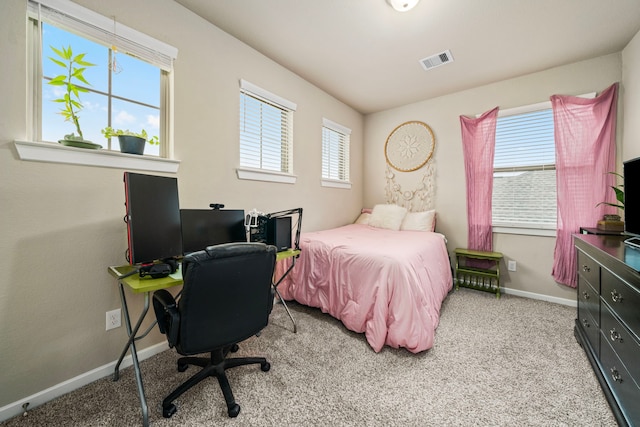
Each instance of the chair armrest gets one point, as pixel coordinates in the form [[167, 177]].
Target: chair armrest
[[166, 309]]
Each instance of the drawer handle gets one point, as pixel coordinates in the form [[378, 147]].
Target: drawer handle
[[616, 296], [615, 336], [586, 324], [586, 268], [585, 295], [616, 375]]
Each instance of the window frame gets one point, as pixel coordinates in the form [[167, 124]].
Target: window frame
[[518, 228], [272, 100], [147, 48], [344, 134]]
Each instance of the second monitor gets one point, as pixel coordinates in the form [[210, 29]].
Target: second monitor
[[206, 227]]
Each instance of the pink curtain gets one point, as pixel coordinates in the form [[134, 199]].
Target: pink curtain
[[478, 145], [585, 138]]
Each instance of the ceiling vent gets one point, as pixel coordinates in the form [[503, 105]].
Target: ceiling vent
[[436, 60]]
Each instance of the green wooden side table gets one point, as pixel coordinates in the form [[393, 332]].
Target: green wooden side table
[[482, 278]]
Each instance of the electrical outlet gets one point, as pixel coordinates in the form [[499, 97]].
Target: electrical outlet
[[511, 266], [114, 319]]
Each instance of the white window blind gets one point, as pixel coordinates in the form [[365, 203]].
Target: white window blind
[[524, 181], [266, 130], [335, 151], [75, 18]]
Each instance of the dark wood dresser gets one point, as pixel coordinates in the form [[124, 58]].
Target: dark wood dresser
[[608, 323]]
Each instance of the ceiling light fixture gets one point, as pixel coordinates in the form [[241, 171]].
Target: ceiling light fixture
[[402, 5]]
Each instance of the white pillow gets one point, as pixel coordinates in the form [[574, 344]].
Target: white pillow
[[419, 221], [363, 218], [387, 216]]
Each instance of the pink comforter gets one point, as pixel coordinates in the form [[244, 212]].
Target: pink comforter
[[388, 284]]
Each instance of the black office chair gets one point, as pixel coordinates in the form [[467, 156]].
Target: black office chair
[[227, 297]]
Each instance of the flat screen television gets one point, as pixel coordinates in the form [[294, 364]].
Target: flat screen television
[[631, 181], [153, 218], [207, 227]]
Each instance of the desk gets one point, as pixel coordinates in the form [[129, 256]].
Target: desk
[[147, 285], [138, 285]]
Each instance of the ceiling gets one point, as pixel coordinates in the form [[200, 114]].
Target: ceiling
[[367, 55]]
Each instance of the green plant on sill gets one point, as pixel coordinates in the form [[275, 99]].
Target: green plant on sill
[[74, 72], [110, 132], [619, 194]]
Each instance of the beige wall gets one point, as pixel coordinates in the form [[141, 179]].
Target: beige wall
[[631, 99], [61, 225], [534, 255]]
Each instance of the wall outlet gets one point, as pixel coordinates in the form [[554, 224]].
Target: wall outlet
[[114, 319], [511, 265]]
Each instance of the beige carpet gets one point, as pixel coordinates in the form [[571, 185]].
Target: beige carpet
[[507, 362]]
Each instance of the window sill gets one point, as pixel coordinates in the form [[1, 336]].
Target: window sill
[[55, 153], [334, 183], [544, 232], [264, 175]]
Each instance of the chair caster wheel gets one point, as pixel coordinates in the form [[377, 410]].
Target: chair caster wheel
[[182, 367], [265, 366], [234, 348], [234, 410], [168, 411]]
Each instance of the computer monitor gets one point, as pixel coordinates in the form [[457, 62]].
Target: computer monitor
[[152, 217], [207, 227]]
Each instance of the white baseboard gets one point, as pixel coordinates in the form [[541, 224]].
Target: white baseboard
[[556, 300], [16, 408]]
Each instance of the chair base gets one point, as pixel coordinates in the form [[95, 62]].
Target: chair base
[[214, 366]]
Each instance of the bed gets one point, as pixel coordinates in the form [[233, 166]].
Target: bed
[[387, 282]]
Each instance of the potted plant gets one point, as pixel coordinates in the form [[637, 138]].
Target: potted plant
[[130, 142], [74, 67], [619, 194]]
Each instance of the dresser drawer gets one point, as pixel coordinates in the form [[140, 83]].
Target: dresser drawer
[[588, 300], [589, 269], [590, 328], [623, 299], [622, 342], [625, 389]]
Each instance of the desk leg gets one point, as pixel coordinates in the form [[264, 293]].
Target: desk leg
[[295, 328], [131, 345], [275, 288]]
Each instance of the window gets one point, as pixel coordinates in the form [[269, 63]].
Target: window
[[129, 83], [524, 179], [335, 154], [266, 135]]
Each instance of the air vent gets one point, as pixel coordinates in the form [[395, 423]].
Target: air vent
[[436, 60]]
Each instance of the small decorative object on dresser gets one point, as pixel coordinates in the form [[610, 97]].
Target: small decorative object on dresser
[[608, 323]]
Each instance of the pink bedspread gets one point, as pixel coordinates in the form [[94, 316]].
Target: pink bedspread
[[388, 284]]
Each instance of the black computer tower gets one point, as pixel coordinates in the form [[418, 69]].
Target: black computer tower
[[272, 231], [279, 232]]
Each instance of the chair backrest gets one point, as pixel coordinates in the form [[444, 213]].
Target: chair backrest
[[227, 295]]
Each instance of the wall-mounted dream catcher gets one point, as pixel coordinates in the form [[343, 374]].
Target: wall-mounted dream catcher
[[409, 148]]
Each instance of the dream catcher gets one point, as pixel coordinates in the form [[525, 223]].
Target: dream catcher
[[408, 148]]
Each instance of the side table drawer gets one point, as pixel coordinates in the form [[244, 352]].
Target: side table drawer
[[624, 388], [623, 299], [589, 269], [620, 339], [588, 300]]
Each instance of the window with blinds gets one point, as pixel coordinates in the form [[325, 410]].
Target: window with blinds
[[266, 123], [335, 152], [128, 84], [524, 178]]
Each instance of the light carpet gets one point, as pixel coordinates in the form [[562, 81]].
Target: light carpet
[[495, 362]]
